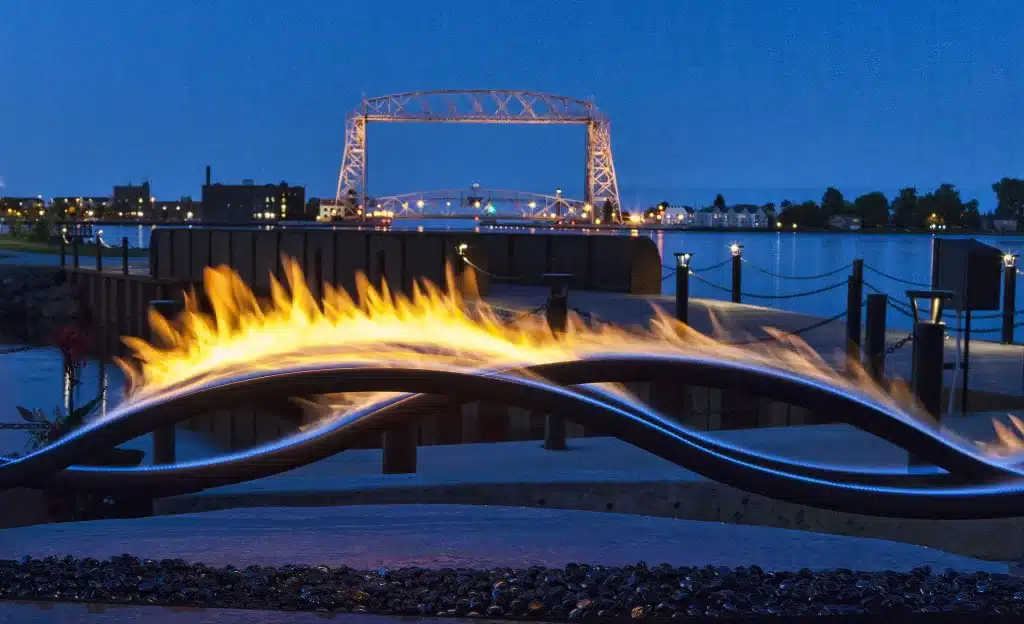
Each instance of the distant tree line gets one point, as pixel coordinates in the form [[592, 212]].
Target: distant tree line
[[909, 209]]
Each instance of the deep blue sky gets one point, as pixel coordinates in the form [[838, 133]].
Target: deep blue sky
[[766, 99]]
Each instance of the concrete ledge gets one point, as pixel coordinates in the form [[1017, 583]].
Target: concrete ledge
[[603, 474]]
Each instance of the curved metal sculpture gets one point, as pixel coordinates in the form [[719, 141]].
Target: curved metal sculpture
[[477, 106], [972, 486]]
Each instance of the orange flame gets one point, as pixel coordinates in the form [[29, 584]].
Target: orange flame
[[433, 327]]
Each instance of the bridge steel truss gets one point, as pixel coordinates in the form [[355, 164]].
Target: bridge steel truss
[[455, 202], [478, 106]]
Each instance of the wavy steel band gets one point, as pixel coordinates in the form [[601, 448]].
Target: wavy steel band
[[972, 486]]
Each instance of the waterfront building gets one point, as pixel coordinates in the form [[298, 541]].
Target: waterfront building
[[248, 202], [80, 208], [844, 222], [711, 218], [130, 201], [21, 206], [1005, 225], [679, 215], [182, 209]]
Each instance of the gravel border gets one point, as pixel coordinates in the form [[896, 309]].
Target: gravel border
[[574, 592]]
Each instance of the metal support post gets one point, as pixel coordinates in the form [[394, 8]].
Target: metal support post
[[63, 250], [318, 276], [557, 313], [854, 295], [737, 272], [874, 335], [1009, 296], [926, 376], [99, 251], [683, 286], [124, 255], [74, 253]]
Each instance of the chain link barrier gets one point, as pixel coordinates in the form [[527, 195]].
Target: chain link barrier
[[795, 332], [897, 279], [899, 344], [713, 266], [19, 349], [808, 293], [795, 277]]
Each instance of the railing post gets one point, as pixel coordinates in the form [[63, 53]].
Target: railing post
[[63, 250], [737, 272], [124, 255], [557, 314], [854, 295], [926, 376], [874, 335], [683, 286], [399, 450], [1009, 296], [99, 252], [164, 438], [74, 252]]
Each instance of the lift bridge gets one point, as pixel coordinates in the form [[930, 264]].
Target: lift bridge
[[476, 106]]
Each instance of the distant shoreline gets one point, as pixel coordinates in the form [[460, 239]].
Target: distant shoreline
[[672, 228]]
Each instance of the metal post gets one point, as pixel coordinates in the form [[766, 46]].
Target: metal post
[[399, 450], [737, 272], [874, 335], [74, 252], [683, 287], [164, 438], [557, 313], [63, 250], [1009, 296], [124, 255], [854, 295], [926, 376]]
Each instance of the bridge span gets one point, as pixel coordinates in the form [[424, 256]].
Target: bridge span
[[474, 202]]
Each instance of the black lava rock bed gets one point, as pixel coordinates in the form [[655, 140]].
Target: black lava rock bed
[[584, 592]]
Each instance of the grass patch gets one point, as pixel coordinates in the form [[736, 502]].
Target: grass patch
[[8, 243]]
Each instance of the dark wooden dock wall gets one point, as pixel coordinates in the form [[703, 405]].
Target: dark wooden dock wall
[[597, 262]]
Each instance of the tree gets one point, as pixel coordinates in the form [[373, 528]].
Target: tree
[[832, 203], [806, 214], [1010, 193], [607, 211], [971, 216], [719, 202], [905, 209], [873, 209]]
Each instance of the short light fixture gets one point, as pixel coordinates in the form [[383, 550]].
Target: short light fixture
[[683, 259]]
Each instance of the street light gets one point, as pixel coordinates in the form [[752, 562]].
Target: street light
[[933, 301]]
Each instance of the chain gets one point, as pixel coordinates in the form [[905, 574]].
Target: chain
[[795, 332], [899, 344], [796, 277], [771, 297], [24, 426], [713, 266], [489, 274], [19, 349], [897, 279]]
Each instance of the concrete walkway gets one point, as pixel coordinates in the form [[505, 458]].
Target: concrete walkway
[[438, 536], [604, 474]]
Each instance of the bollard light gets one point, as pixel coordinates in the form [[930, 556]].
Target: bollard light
[[461, 249], [1010, 260], [736, 249], [683, 259], [933, 302]]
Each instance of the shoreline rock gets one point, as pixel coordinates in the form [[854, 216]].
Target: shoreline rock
[[35, 302], [575, 592]]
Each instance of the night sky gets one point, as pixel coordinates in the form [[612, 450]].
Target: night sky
[[764, 100]]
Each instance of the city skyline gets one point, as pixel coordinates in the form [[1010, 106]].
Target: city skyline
[[702, 99]]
